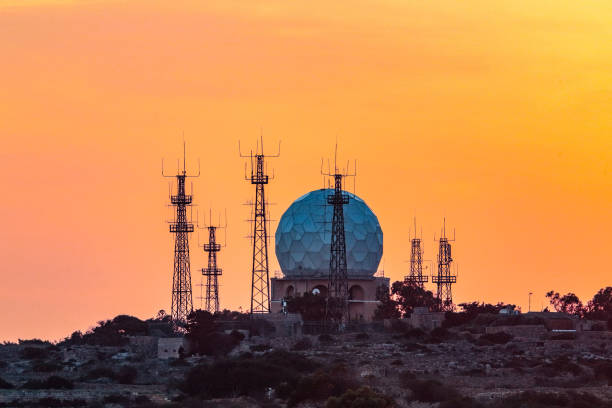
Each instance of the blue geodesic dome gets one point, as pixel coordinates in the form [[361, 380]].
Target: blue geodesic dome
[[303, 237]]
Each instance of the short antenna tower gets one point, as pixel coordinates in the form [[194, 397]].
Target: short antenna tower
[[445, 279], [416, 276], [260, 290], [181, 227], [212, 272]]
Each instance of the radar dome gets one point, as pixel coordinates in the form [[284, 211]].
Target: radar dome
[[303, 237]]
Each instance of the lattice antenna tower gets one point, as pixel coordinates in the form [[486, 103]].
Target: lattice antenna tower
[[181, 227], [416, 262], [337, 292], [260, 289], [212, 272], [445, 279]]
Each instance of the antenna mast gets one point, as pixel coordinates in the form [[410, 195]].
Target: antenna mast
[[444, 279], [181, 227], [260, 289], [416, 276], [338, 293], [212, 272]]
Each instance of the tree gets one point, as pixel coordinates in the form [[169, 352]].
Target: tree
[[310, 306], [387, 309], [600, 307], [202, 331], [568, 303], [409, 295]]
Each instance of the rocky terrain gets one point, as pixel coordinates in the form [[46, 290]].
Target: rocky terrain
[[409, 368]]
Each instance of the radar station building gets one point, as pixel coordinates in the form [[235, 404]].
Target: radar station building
[[303, 244]]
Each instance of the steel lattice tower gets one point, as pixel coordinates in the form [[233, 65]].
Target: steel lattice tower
[[338, 292], [182, 301], [416, 262], [260, 290], [212, 272], [444, 279]]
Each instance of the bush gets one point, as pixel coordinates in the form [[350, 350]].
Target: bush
[[497, 338], [438, 335], [430, 390], [46, 367], [100, 372], [116, 399], [302, 344], [414, 334], [461, 402], [363, 397], [5, 384], [250, 375], [325, 338], [533, 399], [55, 402], [321, 385], [260, 347], [127, 375], [561, 366], [362, 336], [34, 353], [54, 381]]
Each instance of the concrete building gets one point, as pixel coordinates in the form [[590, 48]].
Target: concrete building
[[172, 347]]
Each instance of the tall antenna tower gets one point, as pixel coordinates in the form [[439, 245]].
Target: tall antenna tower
[[445, 279], [337, 293], [182, 301], [212, 272], [260, 290], [416, 262]]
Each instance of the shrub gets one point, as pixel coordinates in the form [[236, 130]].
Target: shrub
[[497, 338], [430, 390], [55, 402], [563, 336], [237, 335], [561, 366], [439, 334], [127, 375], [363, 397], [32, 353], [260, 347], [533, 399], [116, 399], [178, 362], [362, 336], [461, 402], [325, 338], [414, 334], [302, 344], [100, 372], [321, 385], [54, 381], [5, 384], [250, 375], [604, 370], [46, 367]]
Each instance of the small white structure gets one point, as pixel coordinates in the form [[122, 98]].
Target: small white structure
[[172, 347]]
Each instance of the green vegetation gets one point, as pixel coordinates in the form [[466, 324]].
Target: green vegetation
[[246, 375], [363, 397], [54, 381]]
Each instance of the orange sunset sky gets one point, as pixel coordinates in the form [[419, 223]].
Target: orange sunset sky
[[495, 114]]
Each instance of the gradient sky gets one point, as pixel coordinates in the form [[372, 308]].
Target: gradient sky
[[495, 114]]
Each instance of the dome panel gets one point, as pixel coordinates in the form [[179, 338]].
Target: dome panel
[[303, 237]]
